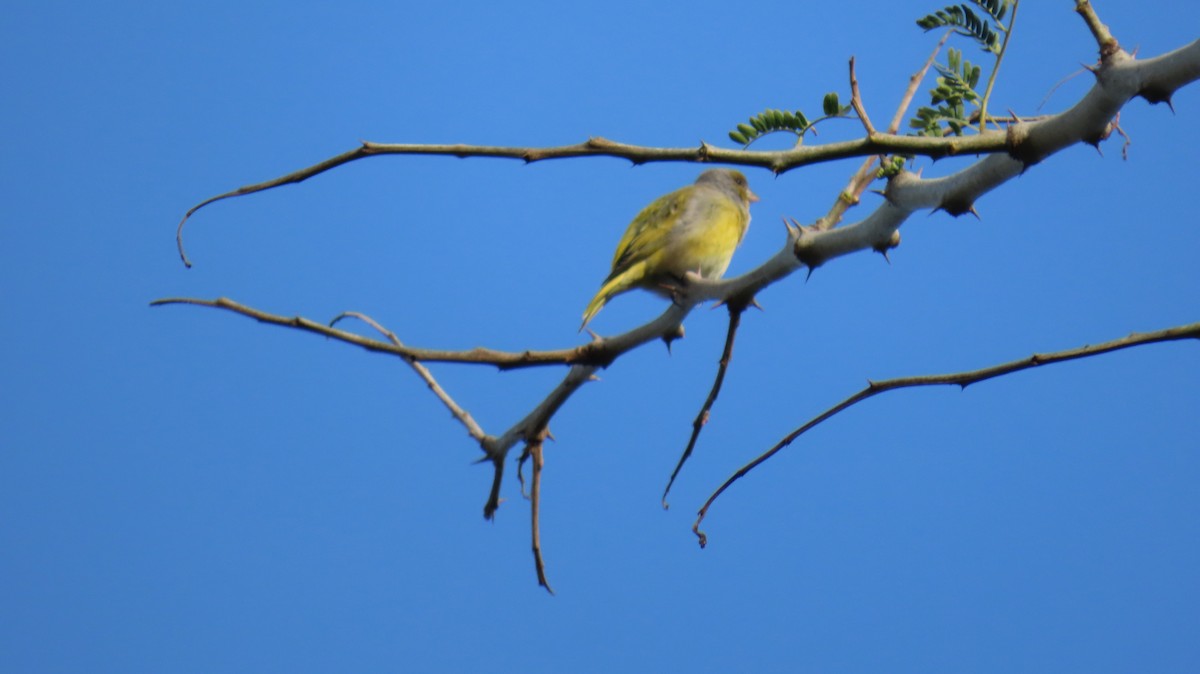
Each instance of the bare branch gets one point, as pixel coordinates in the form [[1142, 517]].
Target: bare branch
[[960, 379], [1104, 39], [735, 319], [535, 500], [865, 175], [473, 428], [914, 83], [856, 102], [775, 161], [599, 353]]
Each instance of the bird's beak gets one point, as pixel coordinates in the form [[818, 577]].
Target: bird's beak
[[751, 196]]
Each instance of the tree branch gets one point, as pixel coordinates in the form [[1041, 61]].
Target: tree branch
[[960, 379], [535, 500], [776, 161], [464, 417], [735, 319], [865, 176], [1104, 39], [595, 353], [1119, 76]]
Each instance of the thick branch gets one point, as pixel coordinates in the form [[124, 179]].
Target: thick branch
[[960, 379]]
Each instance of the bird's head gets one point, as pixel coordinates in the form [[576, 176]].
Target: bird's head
[[730, 181]]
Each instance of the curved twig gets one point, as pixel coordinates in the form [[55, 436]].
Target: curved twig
[[961, 379]]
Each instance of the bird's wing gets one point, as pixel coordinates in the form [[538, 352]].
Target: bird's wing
[[648, 231]]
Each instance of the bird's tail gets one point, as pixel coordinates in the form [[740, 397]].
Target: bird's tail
[[613, 286]]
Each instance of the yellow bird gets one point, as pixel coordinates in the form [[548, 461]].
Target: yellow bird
[[695, 228]]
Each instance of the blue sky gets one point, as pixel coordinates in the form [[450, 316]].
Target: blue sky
[[183, 490]]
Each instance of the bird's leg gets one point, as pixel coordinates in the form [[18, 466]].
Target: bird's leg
[[674, 286]]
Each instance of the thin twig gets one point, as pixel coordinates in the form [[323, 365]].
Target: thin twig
[[1104, 39], [857, 103], [473, 428], [914, 83], [597, 353], [525, 454], [1116, 125], [961, 379], [863, 178], [987, 93], [535, 499], [735, 319]]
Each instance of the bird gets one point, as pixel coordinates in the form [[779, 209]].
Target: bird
[[693, 229]]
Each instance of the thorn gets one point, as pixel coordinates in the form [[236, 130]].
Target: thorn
[[592, 377], [974, 212], [887, 259], [669, 337], [595, 337], [754, 303], [879, 192], [793, 228], [808, 275], [550, 435]]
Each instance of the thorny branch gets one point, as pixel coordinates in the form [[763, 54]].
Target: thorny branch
[[1120, 77], [736, 309], [960, 379], [777, 162]]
